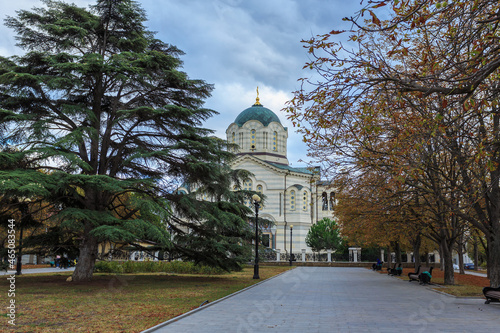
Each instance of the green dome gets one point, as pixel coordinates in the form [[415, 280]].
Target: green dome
[[257, 112]]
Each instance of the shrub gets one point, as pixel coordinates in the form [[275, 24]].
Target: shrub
[[181, 267], [178, 267], [108, 267], [207, 270], [129, 267]]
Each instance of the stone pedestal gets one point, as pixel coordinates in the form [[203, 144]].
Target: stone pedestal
[[329, 255], [355, 254], [278, 255], [303, 255]]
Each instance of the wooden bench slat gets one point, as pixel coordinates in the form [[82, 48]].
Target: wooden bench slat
[[491, 294], [416, 275]]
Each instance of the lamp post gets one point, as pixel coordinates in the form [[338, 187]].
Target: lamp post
[[24, 215], [170, 247], [20, 252], [256, 202], [291, 254]]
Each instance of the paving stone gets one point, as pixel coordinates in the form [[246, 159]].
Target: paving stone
[[339, 299]]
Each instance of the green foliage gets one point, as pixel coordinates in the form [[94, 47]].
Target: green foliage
[[324, 235], [115, 127], [109, 267], [52, 241], [178, 267]]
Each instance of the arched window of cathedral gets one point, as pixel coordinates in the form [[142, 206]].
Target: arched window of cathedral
[[292, 200], [332, 200], [235, 188], [247, 186], [252, 139], [304, 201], [233, 138], [241, 140], [275, 141], [325, 201]]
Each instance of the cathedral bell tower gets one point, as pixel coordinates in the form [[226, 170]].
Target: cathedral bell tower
[[258, 131]]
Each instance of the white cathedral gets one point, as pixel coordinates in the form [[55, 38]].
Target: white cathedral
[[294, 196]]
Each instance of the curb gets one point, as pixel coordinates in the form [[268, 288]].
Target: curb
[[154, 328]]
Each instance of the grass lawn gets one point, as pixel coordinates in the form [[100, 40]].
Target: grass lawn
[[466, 285], [116, 303]]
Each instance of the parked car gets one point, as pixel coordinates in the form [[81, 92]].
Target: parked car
[[469, 266]]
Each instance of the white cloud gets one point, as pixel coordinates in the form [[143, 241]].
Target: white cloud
[[236, 45]]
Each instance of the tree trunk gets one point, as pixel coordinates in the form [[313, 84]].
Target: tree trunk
[[398, 253], [416, 251], [494, 216], [86, 260], [494, 257], [476, 254], [389, 257], [487, 250], [441, 255], [449, 277], [460, 252]]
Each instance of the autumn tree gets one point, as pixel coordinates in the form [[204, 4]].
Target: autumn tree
[[376, 210], [436, 62]]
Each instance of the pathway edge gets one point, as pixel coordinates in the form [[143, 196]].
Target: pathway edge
[[165, 323]]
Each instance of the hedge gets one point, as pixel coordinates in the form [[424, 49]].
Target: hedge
[[179, 267]]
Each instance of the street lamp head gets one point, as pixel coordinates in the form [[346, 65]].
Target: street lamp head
[[291, 226], [256, 198]]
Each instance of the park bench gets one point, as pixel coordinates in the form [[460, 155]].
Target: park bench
[[395, 271], [491, 294], [413, 276], [416, 276]]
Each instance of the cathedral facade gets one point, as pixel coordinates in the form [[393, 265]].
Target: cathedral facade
[[295, 197]]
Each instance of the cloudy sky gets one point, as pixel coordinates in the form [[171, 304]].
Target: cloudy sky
[[236, 45]]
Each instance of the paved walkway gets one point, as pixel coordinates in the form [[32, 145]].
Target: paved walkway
[[338, 299], [474, 273]]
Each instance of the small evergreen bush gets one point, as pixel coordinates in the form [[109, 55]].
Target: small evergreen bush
[[178, 267], [108, 267]]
